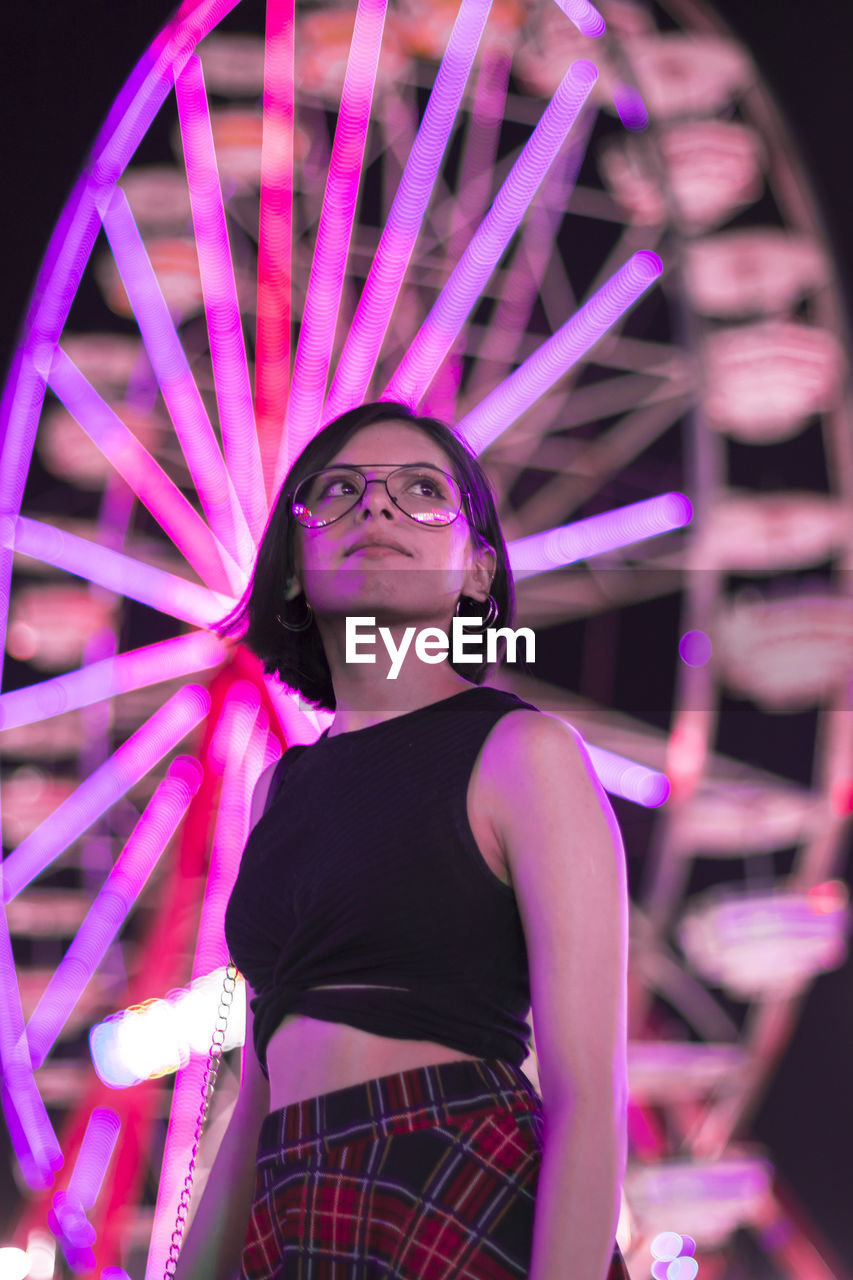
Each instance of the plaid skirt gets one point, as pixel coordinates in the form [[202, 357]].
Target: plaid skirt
[[426, 1174]]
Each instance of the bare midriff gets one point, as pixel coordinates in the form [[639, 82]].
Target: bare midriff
[[307, 1056]]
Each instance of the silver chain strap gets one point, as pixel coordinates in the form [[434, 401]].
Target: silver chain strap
[[207, 1087]]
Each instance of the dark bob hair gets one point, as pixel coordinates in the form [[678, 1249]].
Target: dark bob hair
[[298, 657]]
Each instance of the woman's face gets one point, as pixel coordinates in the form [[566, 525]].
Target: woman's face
[[424, 577]]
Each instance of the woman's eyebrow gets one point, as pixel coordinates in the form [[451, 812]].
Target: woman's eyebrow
[[419, 463]]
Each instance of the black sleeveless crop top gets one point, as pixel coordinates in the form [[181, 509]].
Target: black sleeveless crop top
[[364, 869]]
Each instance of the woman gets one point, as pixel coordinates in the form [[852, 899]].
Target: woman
[[439, 860]]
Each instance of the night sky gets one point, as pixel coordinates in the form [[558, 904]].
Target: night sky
[[63, 64]]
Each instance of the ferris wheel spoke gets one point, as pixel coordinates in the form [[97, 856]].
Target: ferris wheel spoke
[[33, 1138], [471, 274], [560, 352], [115, 571], [275, 249], [524, 278], [115, 899], [222, 309], [584, 15], [157, 736], [592, 536], [180, 392], [385, 279], [123, 673], [190, 535], [334, 233], [480, 154]]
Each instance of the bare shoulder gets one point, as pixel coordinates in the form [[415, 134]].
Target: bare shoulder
[[535, 760], [529, 740]]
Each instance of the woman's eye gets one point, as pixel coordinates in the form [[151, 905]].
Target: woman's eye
[[428, 487], [336, 488]]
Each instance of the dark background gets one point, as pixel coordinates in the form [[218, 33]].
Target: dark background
[[63, 64]]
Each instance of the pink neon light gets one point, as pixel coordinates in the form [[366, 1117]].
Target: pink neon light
[[107, 914], [555, 357], [272, 344], [239, 743], [224, 326], [383, 284], [322, 303], [240, 739], [468, 279], [92, 1161], [133, 759], [177, 384], [622, 777], [142, 473], [554, 548], [117, 572], [584, 15], [136, 669]]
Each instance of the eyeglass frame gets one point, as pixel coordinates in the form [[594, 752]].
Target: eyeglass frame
[[405, 466]]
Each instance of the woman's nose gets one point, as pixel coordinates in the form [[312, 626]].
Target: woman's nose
[[378, 495]]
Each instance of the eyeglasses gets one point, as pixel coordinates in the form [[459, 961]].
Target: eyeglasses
[[421, 491]]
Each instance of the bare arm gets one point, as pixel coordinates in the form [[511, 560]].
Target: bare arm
[[564, 850], [213, 1242]]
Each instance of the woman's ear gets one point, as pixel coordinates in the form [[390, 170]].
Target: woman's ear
[[480, 577], [293, 588]]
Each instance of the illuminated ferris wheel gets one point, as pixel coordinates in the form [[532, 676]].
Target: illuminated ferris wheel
[[578, 234]]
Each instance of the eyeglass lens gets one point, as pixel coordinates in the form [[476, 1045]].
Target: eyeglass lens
[[423, 493]]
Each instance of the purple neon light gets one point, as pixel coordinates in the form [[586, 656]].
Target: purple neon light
[[122, 574], [142, 473], [224, 326], [622, 777], [694, 648], [36, 1144], [468, 279], [92, 1161], [554, 548], [524, 276], [239, 740], [584, 15], [385, 279], [30, 1170], [107, 914], [328, 267], [563, 349], [630, 107], [73, 1230], [182, 396], [136, 669], [133, 759]]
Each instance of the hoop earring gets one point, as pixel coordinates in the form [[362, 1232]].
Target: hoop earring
[[301, 626], [490, 616]]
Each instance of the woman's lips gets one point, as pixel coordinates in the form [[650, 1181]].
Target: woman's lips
[[377, 550]]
